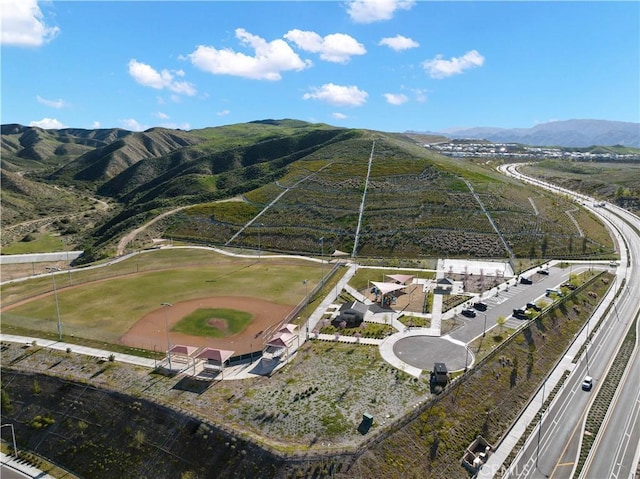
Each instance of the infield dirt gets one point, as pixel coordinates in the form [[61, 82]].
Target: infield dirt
[[151, 328]]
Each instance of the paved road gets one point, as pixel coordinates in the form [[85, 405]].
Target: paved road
[[553, 447], [616, 450]]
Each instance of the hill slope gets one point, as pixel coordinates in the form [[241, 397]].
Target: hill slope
[[306, 181], [559, 133]]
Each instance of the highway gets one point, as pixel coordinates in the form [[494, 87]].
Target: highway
[[553, 447]]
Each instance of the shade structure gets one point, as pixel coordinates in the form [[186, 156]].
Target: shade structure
[[339, 253], [281, 340], [386, 288], [217, 355], [287, 328], [401, 278], [183, 350]]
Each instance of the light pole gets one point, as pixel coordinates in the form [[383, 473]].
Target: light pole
[[260, 225], [540, 426], [55, 295], [306, 301], [484, 329], [166, 324], [466, 359], [13, 436], [322, 257]]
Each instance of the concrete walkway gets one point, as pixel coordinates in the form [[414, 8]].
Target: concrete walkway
[[12, 463], [75, 348]]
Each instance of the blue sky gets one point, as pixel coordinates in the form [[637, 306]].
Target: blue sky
[[390, 65]]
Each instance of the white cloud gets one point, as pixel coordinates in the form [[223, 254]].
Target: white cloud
[[440, 68], [399, 43], [337, 47], [339, 116], [369, 11], [132, 124], [22, 24], [95, 125], [223, 112], [176, 126], [48, 124], [396, 98], [338, 95], [421, 95], [270, 59], [52, 103], [147, 76], [162, 116]]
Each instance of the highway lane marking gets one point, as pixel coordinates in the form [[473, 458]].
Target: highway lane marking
[[568, 443]]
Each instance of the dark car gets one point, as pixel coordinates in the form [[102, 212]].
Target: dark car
[[469, 313], [543, 271], [520, 314], [525, 281], [534, 306], [480, 306]]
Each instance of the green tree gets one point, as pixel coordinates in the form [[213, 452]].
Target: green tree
[[619, 192], [5, 401], [500, 321]]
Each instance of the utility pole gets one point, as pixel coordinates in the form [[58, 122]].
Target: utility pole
[[166, 324], [306, 302], [55, 295]]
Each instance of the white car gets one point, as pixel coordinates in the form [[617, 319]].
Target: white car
[[587, 383]]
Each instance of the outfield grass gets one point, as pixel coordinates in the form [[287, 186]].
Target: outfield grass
[[110, 300], [197, 323]]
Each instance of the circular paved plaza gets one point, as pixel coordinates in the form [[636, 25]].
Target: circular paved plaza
[[422, 351]]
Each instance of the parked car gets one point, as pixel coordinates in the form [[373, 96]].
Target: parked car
[[524, 280], [543, 271], [520, 314], [534, 306], [469, 313], [587, 383], [480, 306]]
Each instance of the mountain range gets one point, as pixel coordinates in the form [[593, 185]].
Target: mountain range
[[573, 133]]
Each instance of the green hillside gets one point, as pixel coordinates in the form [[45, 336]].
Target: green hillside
[[306, 181]]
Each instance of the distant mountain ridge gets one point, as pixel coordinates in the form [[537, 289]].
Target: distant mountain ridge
[[574, 133]]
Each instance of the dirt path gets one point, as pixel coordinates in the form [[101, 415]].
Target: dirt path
[[128, 238]]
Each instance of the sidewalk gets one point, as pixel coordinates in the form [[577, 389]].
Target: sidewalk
[[11, 462], [75, 348]]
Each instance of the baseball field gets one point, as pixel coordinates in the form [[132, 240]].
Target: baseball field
[[196, 297]]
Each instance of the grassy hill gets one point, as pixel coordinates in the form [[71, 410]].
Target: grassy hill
[[306, 181]]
